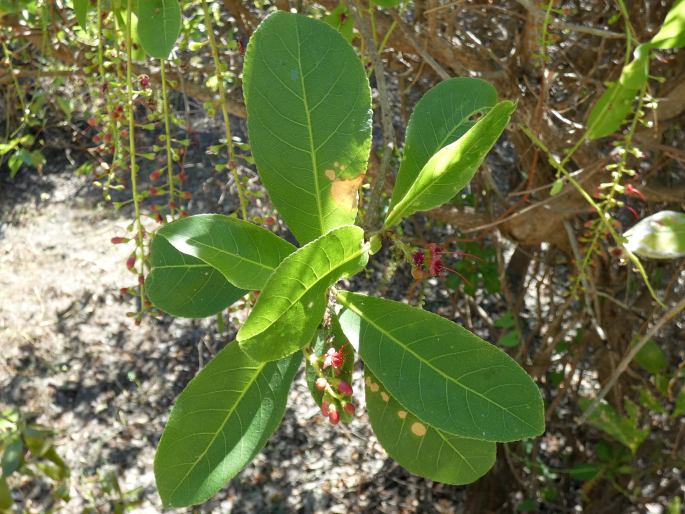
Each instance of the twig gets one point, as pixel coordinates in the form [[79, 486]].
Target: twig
[[634, 350], [373, 213], [427, 57]]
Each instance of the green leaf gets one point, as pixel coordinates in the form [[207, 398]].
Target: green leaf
[[81, 11], [220, 421], [387, 3], [634, 74], [585, 471], [420, 448], [557, 186], [622, 428], [442, 116], [243, 252], [509, 339], [309, 121], [6, 500], [610, 111], [450, 169], [185, 286], [651, 357], [679, 408], [159, 24], [447, 376], [12, 457], [341, 20], [659, 236], [293, 301], [672, 32]]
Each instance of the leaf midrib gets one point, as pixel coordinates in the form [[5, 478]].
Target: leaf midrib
[[258, 371], [312, 149], [349, 305]]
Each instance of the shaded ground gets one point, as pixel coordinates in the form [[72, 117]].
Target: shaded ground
[[70, 353]]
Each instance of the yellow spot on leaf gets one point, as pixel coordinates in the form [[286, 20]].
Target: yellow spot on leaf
[[344, 192], [330, 175], [401, 414], [384, 396], [368, 381], [374, 387], [418, 429]]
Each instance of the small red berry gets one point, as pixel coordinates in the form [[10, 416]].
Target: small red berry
[[321, 383], [269, 220], [349, 408], [345, 388], [324, 408], [92, 121], [119, 240]]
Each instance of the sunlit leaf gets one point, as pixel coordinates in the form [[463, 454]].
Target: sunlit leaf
[[447, 376], [309, 120], [220, 421], [185, 286], [292, 303], [672, 32], [450, 169], [243, 252], [610, 111], [622, 428], [420, 448], [659, 236]]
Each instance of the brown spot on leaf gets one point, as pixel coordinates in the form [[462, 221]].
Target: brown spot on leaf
[[344, 192], [330, 175], [385, 396], [401, 414], [418, 429]]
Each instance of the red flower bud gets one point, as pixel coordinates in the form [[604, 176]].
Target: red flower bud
[[633, 191], [333, 358], [119, 240], [183, 176], [186, 195], [92, 121], [321, 383], [324, 408], [184, 214], [154, 191], [144, 81], [334, 416], [418, 258], [269, 220], [141, 279], [159, 218], [155, 175], [349, 408], [345, 388], [131, 261], [123, 290]]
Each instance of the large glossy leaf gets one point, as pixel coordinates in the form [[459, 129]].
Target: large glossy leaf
[[450, 169], [442, 116], [309, 121], [292, 304], [659, 236], [185, 286], [672, 32], [245, 253], [159, 24], [420, 448], [220, 421], [447, 376]]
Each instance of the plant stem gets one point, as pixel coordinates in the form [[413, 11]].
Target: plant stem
[[224, 110], [132, 149], [167, 130]]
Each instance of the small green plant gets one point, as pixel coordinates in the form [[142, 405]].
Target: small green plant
[[438, 397], [28, 449]]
